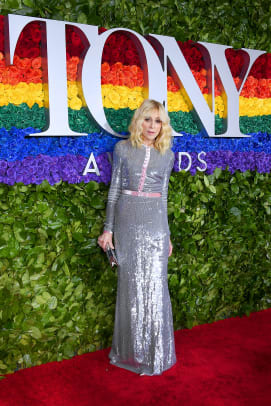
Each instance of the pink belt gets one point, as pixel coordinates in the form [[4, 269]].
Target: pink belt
[[135, 193]]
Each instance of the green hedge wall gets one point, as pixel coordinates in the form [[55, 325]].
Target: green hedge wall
[[57, 292], [237, 23]]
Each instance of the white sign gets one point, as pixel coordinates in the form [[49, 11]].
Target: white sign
[[155, 69]]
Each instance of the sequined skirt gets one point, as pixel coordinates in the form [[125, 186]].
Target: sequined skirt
[[143, 339]]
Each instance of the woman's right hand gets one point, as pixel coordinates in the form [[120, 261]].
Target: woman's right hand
[[104, 239]]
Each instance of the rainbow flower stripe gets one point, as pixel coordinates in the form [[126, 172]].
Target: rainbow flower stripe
[[33, 159]]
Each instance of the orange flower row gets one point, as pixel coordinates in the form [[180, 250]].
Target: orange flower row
[[29, 70], [122, 75], [260, 88], [23, 70], [72, 68]]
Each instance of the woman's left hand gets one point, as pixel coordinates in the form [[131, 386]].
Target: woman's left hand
[[170, 248]]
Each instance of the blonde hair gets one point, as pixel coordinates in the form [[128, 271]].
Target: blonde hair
[[164, 138]]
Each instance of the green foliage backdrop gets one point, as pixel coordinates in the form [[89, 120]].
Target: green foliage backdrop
[[57, 294]]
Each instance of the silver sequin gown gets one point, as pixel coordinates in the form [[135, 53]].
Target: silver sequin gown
[[143, 340]]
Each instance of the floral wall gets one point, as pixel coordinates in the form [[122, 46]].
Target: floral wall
[[22, 111]]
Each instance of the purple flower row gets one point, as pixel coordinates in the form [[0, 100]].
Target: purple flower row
[[234, 161], [70, 168], [67, 168]]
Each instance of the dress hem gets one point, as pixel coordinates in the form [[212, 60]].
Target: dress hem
[[138, 370]]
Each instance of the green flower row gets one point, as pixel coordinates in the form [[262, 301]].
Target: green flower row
[[23, 116]]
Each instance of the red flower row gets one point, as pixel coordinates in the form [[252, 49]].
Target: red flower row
[[120, 48]]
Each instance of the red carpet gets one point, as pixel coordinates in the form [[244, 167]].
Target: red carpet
[[227, 363]]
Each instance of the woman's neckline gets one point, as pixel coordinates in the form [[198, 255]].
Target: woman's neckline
[[148, 146]]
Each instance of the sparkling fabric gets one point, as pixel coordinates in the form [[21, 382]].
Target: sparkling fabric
[[143, 339]]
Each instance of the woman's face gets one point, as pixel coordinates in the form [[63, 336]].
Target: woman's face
[[151, 127]]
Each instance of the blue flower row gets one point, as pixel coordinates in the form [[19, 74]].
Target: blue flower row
[[16, 144]]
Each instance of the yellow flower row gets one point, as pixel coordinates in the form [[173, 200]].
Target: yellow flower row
[[120, 97], [22, 93]]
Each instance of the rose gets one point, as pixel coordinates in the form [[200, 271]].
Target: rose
[[75, 39], [106, 53], [28, 51], [112, 40], [11, 173], [3, 167], [21, 63], [34, 76], [36, 63], [115, 55], [75, 103], [235, 61], [1, 33], [72, 64], [35, 32]]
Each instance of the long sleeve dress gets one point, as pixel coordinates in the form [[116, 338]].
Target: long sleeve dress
[[143, 339]]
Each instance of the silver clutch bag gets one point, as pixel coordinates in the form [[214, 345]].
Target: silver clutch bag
[[111, 255]]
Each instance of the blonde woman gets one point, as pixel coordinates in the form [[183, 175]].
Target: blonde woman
[[143, 340]]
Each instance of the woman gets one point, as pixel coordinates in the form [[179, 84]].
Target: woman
[[143, 340]]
